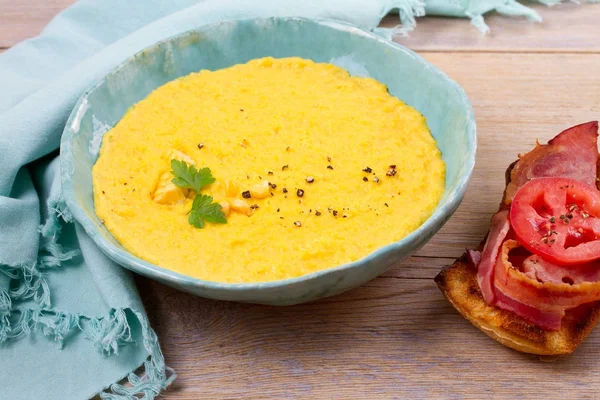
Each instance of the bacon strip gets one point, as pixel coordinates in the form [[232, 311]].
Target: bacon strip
[[548, 320], [485, 270], [535, 267], [573, 153], [545, 291], [473, 256]]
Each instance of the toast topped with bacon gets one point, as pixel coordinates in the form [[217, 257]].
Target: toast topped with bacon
[[533, 284]]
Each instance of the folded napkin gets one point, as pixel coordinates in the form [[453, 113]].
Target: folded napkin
[[71, 322]]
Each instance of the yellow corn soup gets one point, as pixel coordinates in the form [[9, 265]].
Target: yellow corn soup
[[314, 169]]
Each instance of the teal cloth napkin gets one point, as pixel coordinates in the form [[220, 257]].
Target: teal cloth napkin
[[71, 322]]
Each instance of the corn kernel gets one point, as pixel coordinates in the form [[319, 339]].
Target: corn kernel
[[260, 190], [178, 155], [231, 188], [240, 206], [225, 207], [169, 194], [165, 179]]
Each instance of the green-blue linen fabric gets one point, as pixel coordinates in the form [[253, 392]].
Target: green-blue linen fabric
[[71, 322]]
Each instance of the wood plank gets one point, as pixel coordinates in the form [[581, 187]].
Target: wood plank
[[387, 339], [567, 27], [22, 19]]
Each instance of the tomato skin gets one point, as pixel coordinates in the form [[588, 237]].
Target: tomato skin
[[558, 219]]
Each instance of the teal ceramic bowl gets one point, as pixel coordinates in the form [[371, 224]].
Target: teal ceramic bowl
[[408, 77]]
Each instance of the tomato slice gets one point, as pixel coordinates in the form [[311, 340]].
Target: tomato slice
[[558, 219]]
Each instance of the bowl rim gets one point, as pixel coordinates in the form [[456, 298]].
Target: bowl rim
[[441, 214]]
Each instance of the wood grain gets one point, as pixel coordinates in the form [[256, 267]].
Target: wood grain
[[22, 19], [567, 27], [396, 337], [391, 338]]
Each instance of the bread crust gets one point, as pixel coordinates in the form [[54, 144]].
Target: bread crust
[[459, 285]]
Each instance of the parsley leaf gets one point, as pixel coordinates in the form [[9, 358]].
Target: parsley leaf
[[188, 177], [204, 210]]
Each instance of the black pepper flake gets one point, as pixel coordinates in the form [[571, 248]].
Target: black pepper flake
[[310, 179], [284, 190], [318, 213], [246, 194], [329, 167], [260, 177], [335, 213], [278, 210], [365, 179], [328, 159], [125, 184], [552, 220], [200, 146], [288, 148], [376, 180], [367, 170], [345, 216], [133, 190], [270, 173], [391, 171], [247, 176], [103, 192], [386, 204], [285, 167], [298, 223], [241, 109], [273, 185], [280, 217], [254, 206], [299, 192]]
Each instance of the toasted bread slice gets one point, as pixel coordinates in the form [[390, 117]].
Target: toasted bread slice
[[459, 284]]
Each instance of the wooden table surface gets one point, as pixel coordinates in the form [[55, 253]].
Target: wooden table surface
[[396, 336]]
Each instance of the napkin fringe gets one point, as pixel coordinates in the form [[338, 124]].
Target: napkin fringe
[[5, 311], [509, 7], [408, 11], [33, 283], [107, 333], [57, 210], [156, 376]]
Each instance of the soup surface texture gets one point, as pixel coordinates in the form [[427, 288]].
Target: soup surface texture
[[314, 169]]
